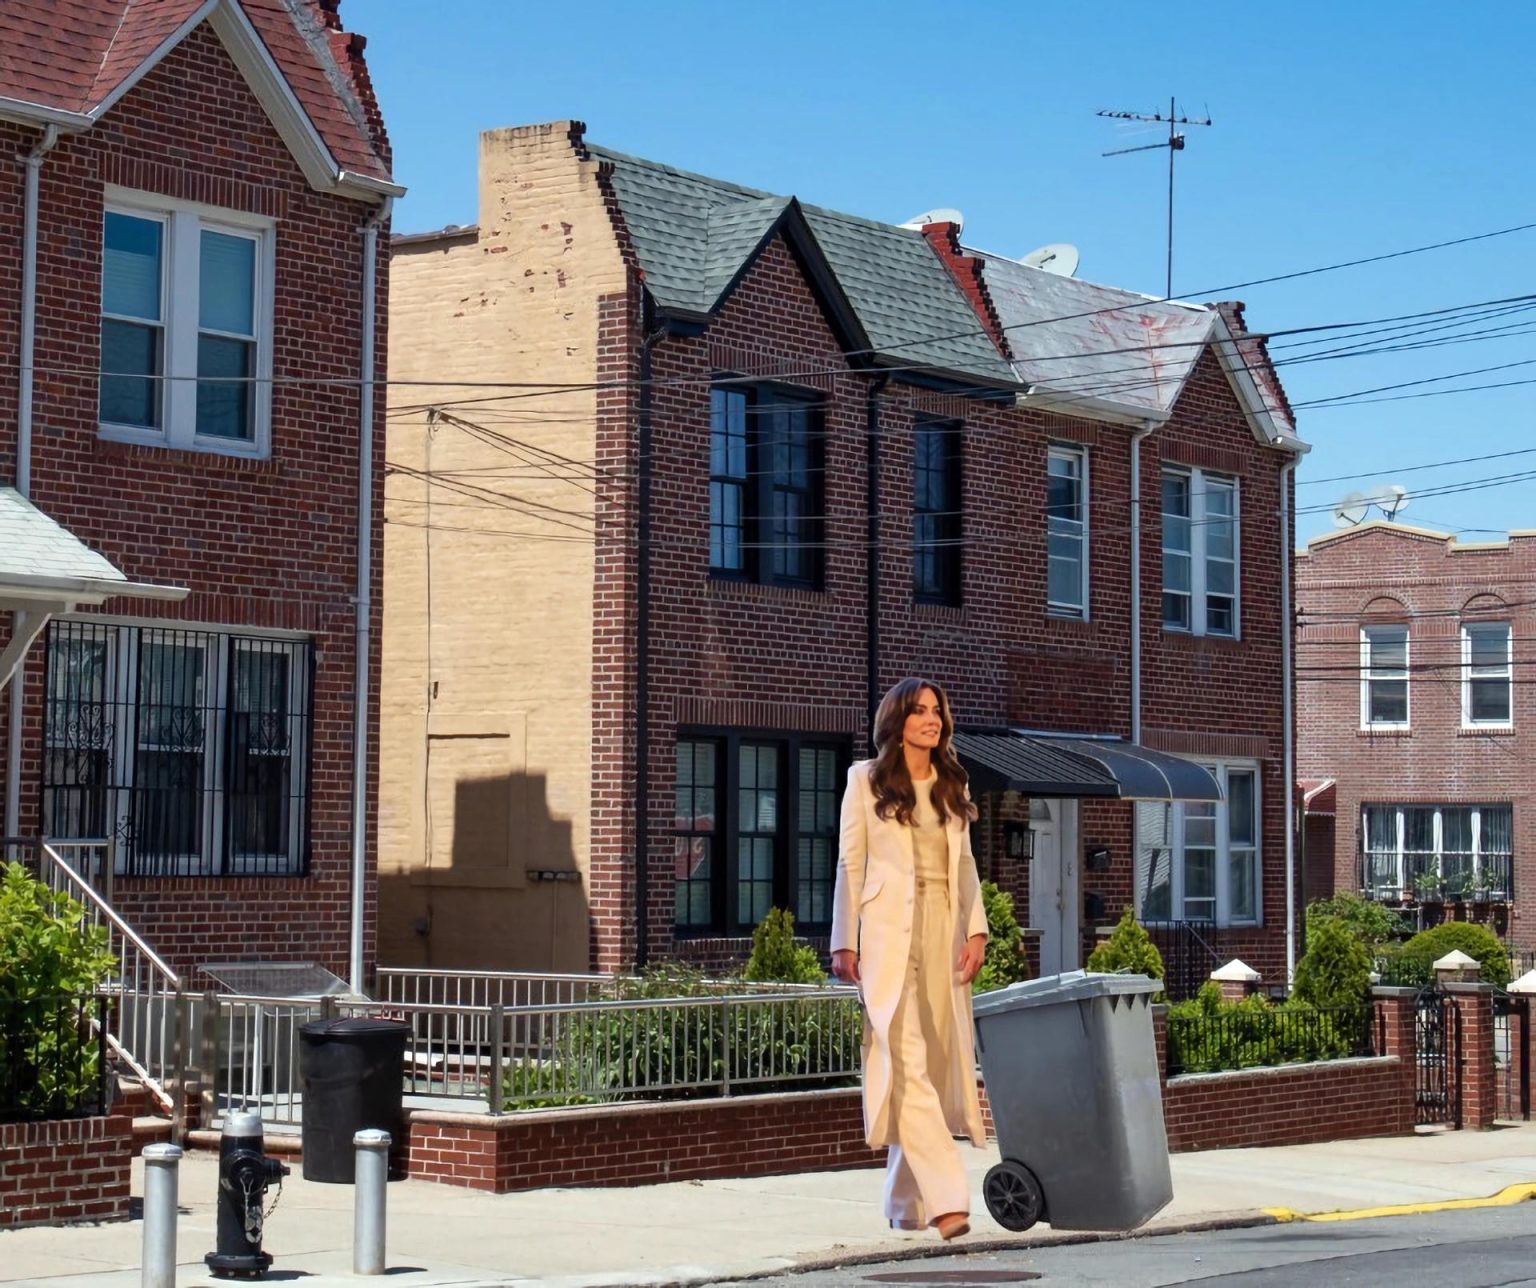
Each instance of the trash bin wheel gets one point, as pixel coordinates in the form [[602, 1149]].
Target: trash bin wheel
[[1013, 1195]]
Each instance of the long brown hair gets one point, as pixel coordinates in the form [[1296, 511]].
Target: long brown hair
[[889, 779]]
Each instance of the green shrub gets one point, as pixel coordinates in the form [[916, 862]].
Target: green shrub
[[1129, 949], [51, 963], [776, 957], [1005, 962], [1413, 962], [1207, 1034], [1336, 968], [1371, 923]]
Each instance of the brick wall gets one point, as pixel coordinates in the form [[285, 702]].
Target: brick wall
[[269, 543], [53, 1173], [1397, 573], [643, 1144]]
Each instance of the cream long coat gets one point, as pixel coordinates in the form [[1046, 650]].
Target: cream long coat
[[872, 915]]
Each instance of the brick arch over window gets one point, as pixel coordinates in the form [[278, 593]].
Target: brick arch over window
[[1480, 602], [1384, 608]]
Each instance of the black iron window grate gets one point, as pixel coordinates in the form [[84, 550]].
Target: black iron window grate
[[188, 749]]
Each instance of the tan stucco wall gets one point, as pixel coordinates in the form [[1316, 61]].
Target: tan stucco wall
[[497, 717]]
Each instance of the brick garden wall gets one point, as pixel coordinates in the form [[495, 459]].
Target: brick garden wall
[[52, 1173]]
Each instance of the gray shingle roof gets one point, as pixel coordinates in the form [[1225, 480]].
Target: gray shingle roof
[[692, 234], [34, 545]]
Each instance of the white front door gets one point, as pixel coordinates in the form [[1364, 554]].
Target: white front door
[[1053, 884]]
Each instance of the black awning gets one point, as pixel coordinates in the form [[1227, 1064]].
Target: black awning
[[1105, 768]]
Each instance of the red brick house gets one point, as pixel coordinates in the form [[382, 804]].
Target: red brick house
[[194, 316], [780, 457], [1411, 710]]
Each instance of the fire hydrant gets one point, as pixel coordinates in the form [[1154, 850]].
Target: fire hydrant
[[245, 1173]]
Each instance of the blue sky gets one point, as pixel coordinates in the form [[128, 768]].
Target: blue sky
[[1341, 131]]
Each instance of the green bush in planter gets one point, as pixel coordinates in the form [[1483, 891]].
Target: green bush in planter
[[777, 958], [1336, 968], [1130, 950], [1005, 962]]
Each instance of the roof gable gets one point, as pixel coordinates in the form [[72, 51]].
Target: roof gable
[[69, 62]]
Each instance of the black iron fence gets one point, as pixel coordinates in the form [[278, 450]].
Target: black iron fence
[[1252, 1037], [53, 1057], [190, 749], [1187, 953]]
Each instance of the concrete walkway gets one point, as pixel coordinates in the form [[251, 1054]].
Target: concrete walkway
[[703, 1231]]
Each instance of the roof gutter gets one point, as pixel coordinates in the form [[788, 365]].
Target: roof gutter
[[24, 113], [33, 162]]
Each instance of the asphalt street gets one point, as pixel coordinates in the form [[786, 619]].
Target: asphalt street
[[1485, 1248]]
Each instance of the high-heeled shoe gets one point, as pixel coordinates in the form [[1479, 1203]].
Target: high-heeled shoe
[[952, 1225]]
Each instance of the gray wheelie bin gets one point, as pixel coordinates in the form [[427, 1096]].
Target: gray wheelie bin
[[1070, 1064]]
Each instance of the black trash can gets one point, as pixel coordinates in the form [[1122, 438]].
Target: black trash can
[[354, 1077]]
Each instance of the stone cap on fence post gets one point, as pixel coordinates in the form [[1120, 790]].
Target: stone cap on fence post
[[1456, 967], [1237, 979], [1525, 984]]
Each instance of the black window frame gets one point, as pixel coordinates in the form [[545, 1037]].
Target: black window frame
[[725, 880], [938, 527], [784, 472]]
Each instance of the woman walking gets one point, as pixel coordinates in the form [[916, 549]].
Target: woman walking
[[908, 927]]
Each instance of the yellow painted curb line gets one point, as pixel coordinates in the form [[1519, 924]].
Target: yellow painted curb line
[[1510, 1194]]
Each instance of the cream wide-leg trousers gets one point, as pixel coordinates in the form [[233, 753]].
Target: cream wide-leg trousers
[[924, 1177]]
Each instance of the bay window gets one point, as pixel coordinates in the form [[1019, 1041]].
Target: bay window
[[1431, 851]]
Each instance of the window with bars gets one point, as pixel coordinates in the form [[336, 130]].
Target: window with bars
[[1384, 677], [1067, 531], [1200, 552], [1487, 674], [1199, 861], [189, 748], [937, 520], [754, 828], [185, 325], [1432, 850], [765, 485]]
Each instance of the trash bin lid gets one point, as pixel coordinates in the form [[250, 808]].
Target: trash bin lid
[[1070, 986], [351, 1030]]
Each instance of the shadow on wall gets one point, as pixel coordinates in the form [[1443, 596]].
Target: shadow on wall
[[497, 886]]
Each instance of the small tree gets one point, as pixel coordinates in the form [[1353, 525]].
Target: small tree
[[776, 957], [1417, 957], [1129, 949], [1005, 962], [1335, 971], [1370, 923]]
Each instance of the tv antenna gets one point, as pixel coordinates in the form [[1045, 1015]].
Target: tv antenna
[[1174, 143]]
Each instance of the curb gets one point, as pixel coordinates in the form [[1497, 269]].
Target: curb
[[1507, 1197]]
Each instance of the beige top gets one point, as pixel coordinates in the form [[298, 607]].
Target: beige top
[[930, 842]]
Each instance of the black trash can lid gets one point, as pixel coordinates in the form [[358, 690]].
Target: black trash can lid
[[357, 1027]]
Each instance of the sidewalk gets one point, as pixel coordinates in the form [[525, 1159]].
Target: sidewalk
[[702, 1231]]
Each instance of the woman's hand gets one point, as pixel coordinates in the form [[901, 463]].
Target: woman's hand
[[969, 961], [845, 965]]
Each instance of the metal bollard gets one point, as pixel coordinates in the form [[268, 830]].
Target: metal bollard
[[162, 1165], [368, 1201]]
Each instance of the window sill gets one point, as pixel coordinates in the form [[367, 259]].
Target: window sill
[[1200, 643], [1062, 621], [1384, 731], [739, 588], [123, 448], [1486, 731], [935, 611]]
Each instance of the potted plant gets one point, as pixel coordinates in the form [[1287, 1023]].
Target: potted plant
[[1486, 887], [1459, 887], [1427, 887]]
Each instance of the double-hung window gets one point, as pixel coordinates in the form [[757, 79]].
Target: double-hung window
[[1428, 851], [1066, 506], [1487, 674], [1200, 861], [755, 827], [765, 485], [1384, 677], [1200, 552], [186, 317], [936, 512], [189, 747]]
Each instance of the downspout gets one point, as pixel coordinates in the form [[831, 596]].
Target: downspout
[[364, 598], [651, 334], [876, 387], [1288, 734], [33, 161], [1137, 439]]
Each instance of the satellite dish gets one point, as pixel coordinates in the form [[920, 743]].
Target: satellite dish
[[1350, 511], [943, 215], [1391, 499], [1059, 258]]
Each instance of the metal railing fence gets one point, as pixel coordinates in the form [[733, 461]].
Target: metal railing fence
[[1249, 1038], [53, 1058]]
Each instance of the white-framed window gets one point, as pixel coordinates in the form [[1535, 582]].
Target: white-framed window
[[1200, 861], [1487, 675], [1384, 677], [189, 747], [1200, 552], [1066, 507], [1437, 851], [186, 325]]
